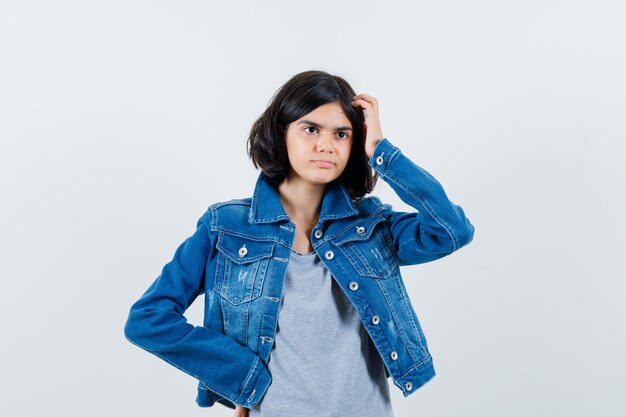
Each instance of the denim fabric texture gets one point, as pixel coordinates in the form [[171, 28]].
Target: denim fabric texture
[[238, 256]]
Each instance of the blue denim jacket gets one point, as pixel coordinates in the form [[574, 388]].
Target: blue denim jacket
[[238, 256]]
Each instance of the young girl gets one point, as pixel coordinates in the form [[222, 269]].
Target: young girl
[[306, 312]]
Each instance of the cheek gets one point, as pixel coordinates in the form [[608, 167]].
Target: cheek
[[296, 153], [347, 148]]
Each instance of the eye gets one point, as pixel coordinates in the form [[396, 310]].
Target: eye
[[345, 135], [310, 127]]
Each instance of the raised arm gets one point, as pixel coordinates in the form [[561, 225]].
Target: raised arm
[[438, 228]]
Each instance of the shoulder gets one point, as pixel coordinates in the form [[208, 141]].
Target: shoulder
[[223, 210], [369, 205]]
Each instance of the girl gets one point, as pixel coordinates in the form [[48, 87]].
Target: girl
[[306, 312]]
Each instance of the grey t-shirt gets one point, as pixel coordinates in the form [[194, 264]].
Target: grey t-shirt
[[323, 362]]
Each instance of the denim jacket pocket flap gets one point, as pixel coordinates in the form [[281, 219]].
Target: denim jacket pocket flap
[[359, 231], [368, 246], [242, 265], [244, 250]]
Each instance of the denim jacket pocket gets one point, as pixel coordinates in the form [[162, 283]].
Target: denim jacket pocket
[[242, 264], [368, 246]]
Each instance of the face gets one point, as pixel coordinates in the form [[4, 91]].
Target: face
[[318, 144]]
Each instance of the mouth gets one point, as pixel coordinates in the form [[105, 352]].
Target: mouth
[[323, 163]]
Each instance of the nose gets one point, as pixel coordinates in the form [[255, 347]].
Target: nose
[[325, 143]]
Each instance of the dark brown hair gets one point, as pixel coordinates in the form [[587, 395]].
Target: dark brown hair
[[300, 95]]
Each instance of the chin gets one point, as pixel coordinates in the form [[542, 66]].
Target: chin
[[321, 177], [329, 178]]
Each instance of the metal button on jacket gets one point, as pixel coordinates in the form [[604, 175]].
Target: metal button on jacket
[[354, 286], [242, 251], [375, 319], [379, 159], [408, 386], [360, 230], [394, 355], [329, 254], [318, 233]]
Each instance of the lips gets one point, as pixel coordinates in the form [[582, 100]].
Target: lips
[[325, 163]]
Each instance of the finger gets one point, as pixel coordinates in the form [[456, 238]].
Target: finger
[[368, 110], [363, 103], [368, 98]]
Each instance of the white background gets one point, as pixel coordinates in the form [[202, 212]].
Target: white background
[[121, 121]]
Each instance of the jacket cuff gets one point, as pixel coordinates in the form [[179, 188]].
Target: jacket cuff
[[256, 385], [384, 152]]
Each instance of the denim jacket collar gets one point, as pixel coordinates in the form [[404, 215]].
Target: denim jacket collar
[[267, 207]]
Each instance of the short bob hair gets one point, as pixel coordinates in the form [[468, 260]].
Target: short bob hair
[[300, 95]]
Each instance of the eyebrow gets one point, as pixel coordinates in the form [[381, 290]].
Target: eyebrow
[[309, 122]]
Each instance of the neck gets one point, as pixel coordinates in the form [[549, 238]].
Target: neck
[[301, 200]]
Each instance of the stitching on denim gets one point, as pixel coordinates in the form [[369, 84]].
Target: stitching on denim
[[272, 298], [352, 212], [386, 243], [224, 314], [394, 318], [246, 320], [428, 208], [352, 224], [256, 259], [256, 361], [372, 221], [259, 282], [249, 295], [248, 201], [365, 199], [407, 309], [359, 261], [419, 364], [334, 216], [352, 256], [415, 239], [251, 395], [256, 238], [252, 217], [385, 340], [231, 202], [395, 152], [272, 219], [213, 219], [220, 273]]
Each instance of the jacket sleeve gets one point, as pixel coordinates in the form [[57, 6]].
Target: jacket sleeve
[[438, 228], [156, 324]]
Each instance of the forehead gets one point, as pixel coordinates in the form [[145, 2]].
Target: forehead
[[331, 114]]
